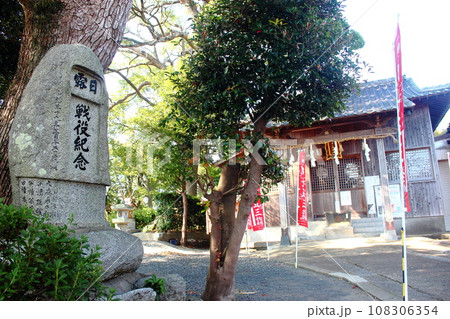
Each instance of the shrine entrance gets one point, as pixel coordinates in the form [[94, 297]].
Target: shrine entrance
[[338, 187]]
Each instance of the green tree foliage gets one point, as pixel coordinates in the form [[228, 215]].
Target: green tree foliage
[[287, 61], [148, 153], [258, 61], [11, 27], [41, 261], [168, 214], [170, 211]]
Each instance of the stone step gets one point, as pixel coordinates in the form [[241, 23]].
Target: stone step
[[363, 221], [359, 230], [368, 226], [365, 235]]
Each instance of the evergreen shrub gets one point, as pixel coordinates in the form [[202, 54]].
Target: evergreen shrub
[[42, 261]]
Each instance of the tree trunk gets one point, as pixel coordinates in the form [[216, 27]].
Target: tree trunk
[[192, 186], [98, 24], [226, 240], [229, 180], [219, 281], [185, 217]]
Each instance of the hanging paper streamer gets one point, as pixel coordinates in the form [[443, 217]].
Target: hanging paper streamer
[[366, 149], [313, 158], [336, 153], [331, 148]]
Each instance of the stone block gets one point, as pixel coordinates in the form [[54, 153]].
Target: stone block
[[143, 294], [124, 282], [120, 252], [175, 286]]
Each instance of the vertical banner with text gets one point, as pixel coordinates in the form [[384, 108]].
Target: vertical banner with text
[[302, 196], [401, 117], [256, 219]]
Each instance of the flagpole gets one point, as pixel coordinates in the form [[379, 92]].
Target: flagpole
[[296, 219], [246, 241], [265, 231], [267, 244], [448, 159], [402, 153]]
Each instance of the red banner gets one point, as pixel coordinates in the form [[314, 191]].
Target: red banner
[[401, 117], [256, 219], [302, 196]]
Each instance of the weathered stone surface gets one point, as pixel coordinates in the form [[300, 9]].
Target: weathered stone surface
[[124, 282], [60, 200], [58, 149], [58, 152], [121, 252], [175, 286], [143, 294]]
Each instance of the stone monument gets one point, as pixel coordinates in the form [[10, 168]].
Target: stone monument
[[58, 151]]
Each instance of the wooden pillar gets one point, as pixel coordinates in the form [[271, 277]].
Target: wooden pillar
[[389, 230]]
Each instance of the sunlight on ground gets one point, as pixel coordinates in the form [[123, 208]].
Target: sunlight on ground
[[351, 243], [422, 243], [426, 244]]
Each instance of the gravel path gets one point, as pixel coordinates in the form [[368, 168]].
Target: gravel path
[[256, 278]]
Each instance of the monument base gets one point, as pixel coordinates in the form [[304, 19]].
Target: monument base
[[285, 239], [61, 200], [390, 235], [120, 251]]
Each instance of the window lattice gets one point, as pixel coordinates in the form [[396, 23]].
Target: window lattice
[[418, 165], [287, 180], [274, 188], [392, 161], [350, 173], [322, 176]]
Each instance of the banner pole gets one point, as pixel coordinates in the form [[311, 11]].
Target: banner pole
[[246, 241], [296, 219], [448, 159], [267, 244], [265, 231]]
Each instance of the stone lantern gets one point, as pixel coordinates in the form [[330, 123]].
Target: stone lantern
[[124, 220]]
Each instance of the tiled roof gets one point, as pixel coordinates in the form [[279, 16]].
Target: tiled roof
[[434, 90], [378, 96]]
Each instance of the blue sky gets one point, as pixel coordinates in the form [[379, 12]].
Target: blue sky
[[424, 29], [425, 43]]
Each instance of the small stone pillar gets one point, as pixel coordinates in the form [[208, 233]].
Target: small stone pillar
[[124, 221], [58, 152]]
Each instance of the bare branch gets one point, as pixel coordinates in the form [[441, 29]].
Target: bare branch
[[230, 191], [152, 60], [192, 6], [151, 47], [129, 68], [160, 39], [136, 89]]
